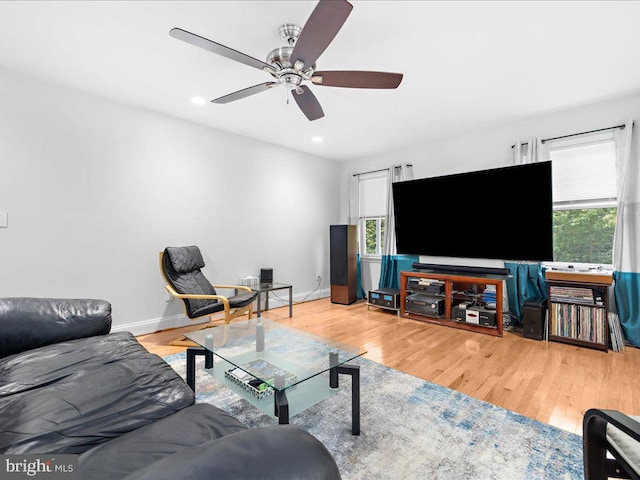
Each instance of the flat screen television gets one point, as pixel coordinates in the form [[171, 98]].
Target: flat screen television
[[502, 213]]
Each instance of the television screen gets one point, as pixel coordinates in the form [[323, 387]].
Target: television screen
[[503, 213]]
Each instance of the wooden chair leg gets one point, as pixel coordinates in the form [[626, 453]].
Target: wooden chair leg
[[183, 341]]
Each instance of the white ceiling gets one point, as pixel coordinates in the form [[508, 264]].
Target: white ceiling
[[465, 64]]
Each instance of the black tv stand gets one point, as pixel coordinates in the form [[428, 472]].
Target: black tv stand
[[434, 267]]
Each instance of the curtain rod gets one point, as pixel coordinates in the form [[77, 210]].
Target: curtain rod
[[381, 170], [582, 133], [621, 127]]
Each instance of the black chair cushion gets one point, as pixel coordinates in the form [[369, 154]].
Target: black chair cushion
[[185, 259], [236, 301], [182, 267], [188, 279]]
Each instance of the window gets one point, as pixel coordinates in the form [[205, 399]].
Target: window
[[584, 199], [372, 211]]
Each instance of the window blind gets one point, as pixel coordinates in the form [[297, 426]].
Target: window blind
[[373, 196], [584, 171]]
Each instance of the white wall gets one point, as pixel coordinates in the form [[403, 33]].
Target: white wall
[[489, 147], [95, 189]]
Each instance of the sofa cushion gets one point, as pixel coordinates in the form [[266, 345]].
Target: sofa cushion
[[274, 452], [192, 426], [27, 323], [71, 396]]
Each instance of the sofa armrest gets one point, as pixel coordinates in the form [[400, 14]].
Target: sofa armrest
[[278, 452], [27, 323]]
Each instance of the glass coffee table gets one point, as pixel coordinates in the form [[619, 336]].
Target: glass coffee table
[[281, 370]]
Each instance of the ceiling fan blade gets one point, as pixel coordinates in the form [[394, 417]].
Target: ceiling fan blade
[[245, 92], [214, 47], [308, 103], [357, 79], [321, 28]]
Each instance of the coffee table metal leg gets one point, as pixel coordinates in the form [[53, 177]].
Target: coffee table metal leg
[[258, 303], [192, 352], [281, 407], [290, 301], [354, 372]]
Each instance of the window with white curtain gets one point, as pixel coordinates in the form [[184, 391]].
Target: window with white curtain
[[372, 210], [584, 199]]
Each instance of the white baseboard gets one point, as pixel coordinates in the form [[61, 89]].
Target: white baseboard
[[156, 324], [175, 321], [280, 298]]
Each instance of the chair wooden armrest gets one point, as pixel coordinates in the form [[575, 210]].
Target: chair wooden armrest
[[235, 287], [182, 296]]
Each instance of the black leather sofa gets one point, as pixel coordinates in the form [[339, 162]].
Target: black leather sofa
[[68, 386]]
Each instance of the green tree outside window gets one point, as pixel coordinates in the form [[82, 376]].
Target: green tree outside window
[[374, 236], [584, 235]]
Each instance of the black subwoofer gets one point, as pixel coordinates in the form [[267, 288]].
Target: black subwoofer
[[534, 314], [342, 263]]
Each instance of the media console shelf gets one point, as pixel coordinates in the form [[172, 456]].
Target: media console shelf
[[460, 300]]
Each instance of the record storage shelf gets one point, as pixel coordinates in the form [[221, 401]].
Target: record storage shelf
[[578, 310]]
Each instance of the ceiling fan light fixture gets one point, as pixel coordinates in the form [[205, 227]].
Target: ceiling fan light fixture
[[291, 81], [198, 101]]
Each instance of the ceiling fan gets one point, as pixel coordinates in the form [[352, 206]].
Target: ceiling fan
[[294, 64]]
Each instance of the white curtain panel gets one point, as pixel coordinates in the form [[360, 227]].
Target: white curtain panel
[[354, 200], [397, 173], [627, 234], [626, 257], [530, 151], [354, 205]]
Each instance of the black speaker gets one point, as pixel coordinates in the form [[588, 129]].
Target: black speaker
[[266, 275], [342, 263], [534, 314]]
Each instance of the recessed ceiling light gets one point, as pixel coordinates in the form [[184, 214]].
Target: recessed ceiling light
[[316, 139], [198, 101]]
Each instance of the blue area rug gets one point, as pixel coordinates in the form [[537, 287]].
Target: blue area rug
[[413, 429]]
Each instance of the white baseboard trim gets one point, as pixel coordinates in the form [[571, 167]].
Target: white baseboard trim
[[144, 327], [280, 298], [156, 324]]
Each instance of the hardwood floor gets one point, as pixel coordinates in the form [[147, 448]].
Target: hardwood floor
[[549, 381]]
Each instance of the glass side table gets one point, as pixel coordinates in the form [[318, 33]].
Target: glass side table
[[271, 287]]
